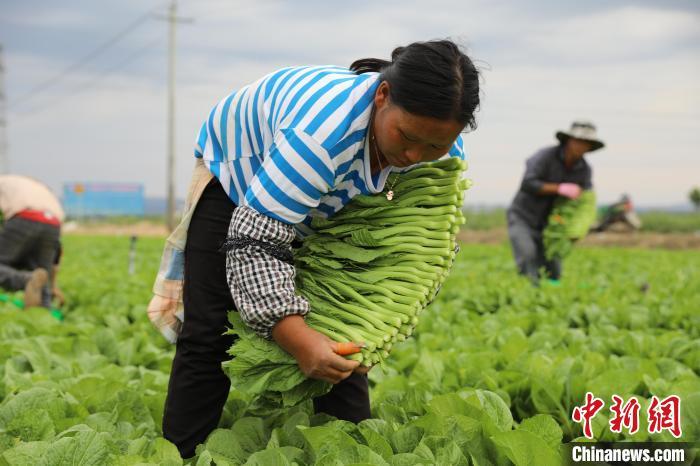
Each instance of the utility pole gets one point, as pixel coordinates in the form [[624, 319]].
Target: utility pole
[[4, 159], [170, 214], [170, 143]]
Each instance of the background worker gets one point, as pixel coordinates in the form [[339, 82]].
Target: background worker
[[553, 171], [30, 245], [619, 213]]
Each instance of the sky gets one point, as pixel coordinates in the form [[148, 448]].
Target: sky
[[85, 82]]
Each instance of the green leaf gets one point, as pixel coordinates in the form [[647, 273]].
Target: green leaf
[[31, 425], [324, 440], [545, 427], [547, 395], [132, 409], [407, 459], [329, 459], [376, 442], [450, 453], [496, 409], [29, 453], [140, 447], [266, 373], [94, 391], [247, 436], [251, 434], [451, 404], [690, 417], [289, 434], [35, 398], [355, 455], [524, 448], [282, 456], [165, 453], [428, 369], [379, 426], [86, 448], [424, 452], [405, 439], [204, 458], [392, 413], [614, 381]]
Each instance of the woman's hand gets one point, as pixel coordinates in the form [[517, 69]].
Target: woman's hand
[[314, 352], [570, 190]]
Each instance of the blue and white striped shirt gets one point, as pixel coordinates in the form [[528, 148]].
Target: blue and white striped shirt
[[293, 145]]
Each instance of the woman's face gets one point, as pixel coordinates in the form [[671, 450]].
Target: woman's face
[[405, 139]]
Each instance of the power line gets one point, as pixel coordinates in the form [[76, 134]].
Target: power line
[[83, 61], [96, 79]]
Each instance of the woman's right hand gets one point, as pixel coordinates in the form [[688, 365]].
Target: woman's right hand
[[313, 351]]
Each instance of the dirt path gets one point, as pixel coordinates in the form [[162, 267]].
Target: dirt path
[[494, 236], [633, 240], [144, 228]]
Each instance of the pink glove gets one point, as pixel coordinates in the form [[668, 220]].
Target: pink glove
[[570, 190]]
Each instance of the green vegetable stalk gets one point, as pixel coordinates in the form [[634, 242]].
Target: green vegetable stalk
[[569, 221], [367, 273]]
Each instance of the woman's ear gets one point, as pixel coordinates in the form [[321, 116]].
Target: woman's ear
[[381, 96]]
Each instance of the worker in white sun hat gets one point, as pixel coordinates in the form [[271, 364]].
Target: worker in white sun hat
[[559, 170]]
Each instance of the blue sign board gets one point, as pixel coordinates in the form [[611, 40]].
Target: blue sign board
[[103, 199]]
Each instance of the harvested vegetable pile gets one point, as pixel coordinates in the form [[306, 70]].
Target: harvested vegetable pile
[[368, 273], [569, 221]]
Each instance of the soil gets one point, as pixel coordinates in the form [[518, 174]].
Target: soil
[[494, 236], [144, 228], [645, 239]]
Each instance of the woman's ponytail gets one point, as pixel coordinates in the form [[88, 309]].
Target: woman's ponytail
[[369, 65]]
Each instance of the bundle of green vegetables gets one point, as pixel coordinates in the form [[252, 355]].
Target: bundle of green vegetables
[[569, 221], [367, 272]]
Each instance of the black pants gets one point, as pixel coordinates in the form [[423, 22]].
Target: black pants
[[198, 387], [24, 246]]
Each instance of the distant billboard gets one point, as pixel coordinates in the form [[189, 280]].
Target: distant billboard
[[103, 199]]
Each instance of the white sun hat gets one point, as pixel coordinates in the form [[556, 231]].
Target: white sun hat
[[584, 130]]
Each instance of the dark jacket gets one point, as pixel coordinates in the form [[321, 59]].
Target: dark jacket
[[546, 166]]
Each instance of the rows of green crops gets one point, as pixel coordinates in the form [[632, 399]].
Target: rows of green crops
[[652, 220], [491, 376]]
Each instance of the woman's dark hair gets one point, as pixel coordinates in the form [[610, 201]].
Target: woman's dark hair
[[433, 78]]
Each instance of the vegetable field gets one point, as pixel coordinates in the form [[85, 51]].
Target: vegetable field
[[490, 376]]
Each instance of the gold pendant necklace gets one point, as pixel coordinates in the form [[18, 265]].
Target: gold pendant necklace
[[390, 193]]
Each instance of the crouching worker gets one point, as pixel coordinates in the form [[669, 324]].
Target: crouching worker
[[30, 245]]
